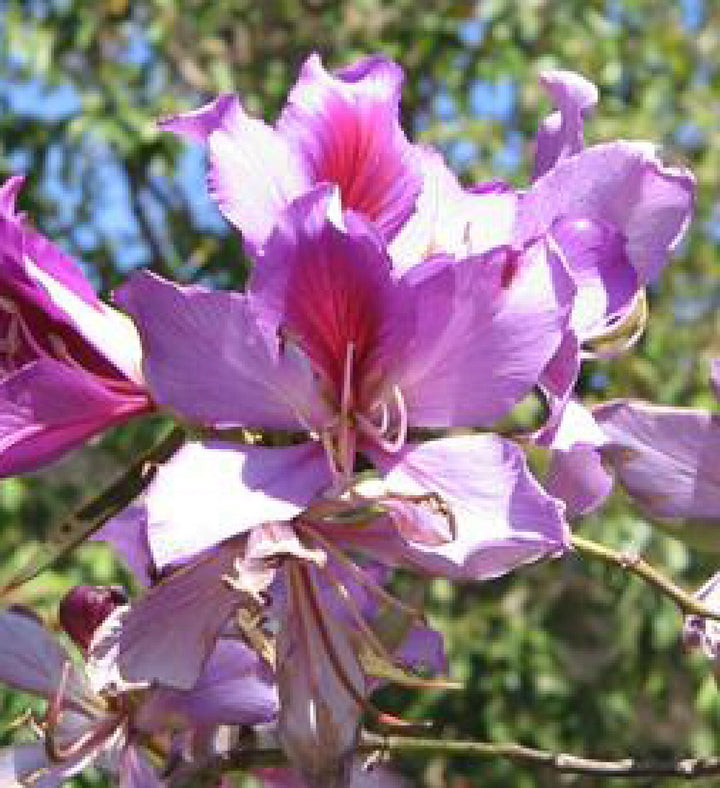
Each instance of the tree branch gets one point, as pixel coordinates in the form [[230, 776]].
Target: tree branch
[[93, 514], [565, 763], [634, 563]]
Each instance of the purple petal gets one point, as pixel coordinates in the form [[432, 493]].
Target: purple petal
[[32, 661], [560, 375], [19, 762], [19, 241], [579, 479], [135, 770], [332, 289], [486, 329], [48, 408], [665, 457], [206, 356], [254, 172], [501, 516], [451, 220], [319, 715], [606, 281], [576, 475], [345, 130], [621, 185], [561, 133], [8, 195], [168, 633], [208, 493], [127, 533], [235, 688]]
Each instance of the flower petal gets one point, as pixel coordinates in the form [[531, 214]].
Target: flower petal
[[486, 328], [254, 172], [345, 130], [127, 533], [561, 133], [501, 516], [167, 635], [620, 184], [452, 220], [210, 492], [606, 281], [48, 408], [330, 289], [665, 457], [319, 678], [135, 770], [31, 660], [235, 688], [206, 357], [19, 762]]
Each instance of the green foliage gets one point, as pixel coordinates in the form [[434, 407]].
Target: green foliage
[[567, 655]]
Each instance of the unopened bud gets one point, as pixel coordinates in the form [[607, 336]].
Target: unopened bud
[[84, 608]]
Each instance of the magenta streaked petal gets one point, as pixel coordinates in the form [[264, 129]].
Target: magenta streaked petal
[[31, 659], [253, 174], [561, 133], [345, 130], [486, 329], [48, 408], [665, 457], [167, 635], [207, 358], [209, 492], [332, 288], [500, 515], [235, 688], [618, 184]]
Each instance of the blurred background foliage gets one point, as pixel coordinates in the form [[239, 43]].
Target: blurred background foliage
[[567, 655]]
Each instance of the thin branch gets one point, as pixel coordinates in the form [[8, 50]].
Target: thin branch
[[93, 514], [634, 563], [560, 762]]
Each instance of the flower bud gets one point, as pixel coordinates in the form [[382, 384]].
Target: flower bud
[[84, 608]]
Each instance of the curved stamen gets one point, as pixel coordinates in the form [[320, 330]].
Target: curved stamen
[[380, 434]]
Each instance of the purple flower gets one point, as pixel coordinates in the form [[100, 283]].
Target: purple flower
[[331, 341], [108, 728], [69, 364], [613, 212], [337, 128]]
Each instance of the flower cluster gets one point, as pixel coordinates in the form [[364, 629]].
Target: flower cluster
[[348, 402]]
